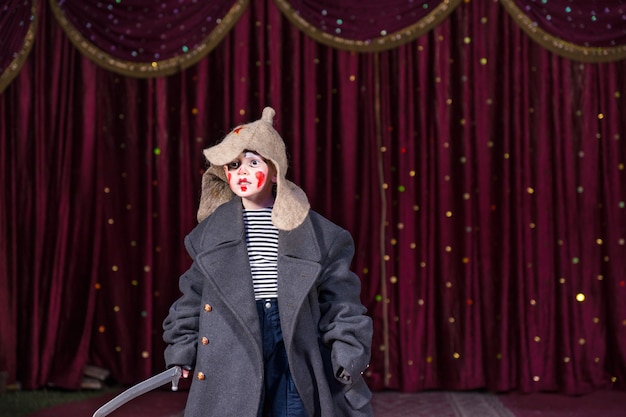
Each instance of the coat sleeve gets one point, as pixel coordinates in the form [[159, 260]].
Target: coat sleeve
[[343, 324], [180, 327]]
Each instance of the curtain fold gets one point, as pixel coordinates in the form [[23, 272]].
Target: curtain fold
[[481, 176], [49, 233]]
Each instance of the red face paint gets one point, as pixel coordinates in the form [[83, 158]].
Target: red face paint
[[260, 176], [244, 188], [229, 177]]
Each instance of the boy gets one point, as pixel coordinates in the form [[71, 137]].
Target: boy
[[270, 317]]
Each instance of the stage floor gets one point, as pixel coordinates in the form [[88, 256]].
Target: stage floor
[[164, 403]]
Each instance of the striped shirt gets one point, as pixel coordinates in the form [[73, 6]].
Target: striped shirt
[[262, 242]]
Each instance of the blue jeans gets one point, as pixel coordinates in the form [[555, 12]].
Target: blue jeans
[[280, 397]]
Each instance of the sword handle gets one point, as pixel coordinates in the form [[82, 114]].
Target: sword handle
[[176, 378]]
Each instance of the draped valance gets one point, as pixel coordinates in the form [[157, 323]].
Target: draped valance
[[589, 31], [147, 38], [363, 25], [17, 32]]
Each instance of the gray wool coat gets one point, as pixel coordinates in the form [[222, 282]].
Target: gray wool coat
[[214, 328]]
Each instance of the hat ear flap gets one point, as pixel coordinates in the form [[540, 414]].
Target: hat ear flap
[[215, 191]]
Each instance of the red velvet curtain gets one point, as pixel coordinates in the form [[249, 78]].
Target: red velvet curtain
[[481, 176]]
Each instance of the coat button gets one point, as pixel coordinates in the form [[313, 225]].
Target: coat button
[[201, 376], [208, 308], [205, 341]]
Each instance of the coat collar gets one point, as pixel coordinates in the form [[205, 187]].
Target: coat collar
[[227, 226]]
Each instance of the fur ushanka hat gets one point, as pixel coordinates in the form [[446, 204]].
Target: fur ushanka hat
[[291, 204]]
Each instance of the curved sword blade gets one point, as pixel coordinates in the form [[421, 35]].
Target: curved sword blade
[[171, 375]]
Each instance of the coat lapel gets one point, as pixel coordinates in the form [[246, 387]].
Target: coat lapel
[[226, 264], [298, 268]]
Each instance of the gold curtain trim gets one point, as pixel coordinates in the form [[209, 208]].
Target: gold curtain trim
[[153, 68], [382, 43], [15, 66], [559, 46]]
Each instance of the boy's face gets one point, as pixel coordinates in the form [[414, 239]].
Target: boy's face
[[251, 178]]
